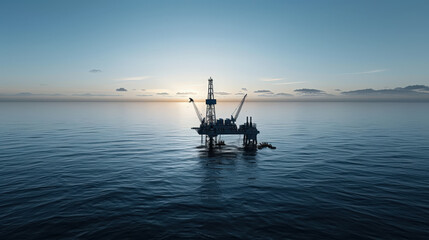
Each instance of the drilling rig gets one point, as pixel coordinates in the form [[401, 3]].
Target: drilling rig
[[211, 128]]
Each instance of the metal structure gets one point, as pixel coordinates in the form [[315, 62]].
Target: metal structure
[[210, 104], [211, 128]]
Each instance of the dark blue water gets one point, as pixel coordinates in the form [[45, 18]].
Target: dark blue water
[[136, 171]]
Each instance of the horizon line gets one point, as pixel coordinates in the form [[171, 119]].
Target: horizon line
[[313, 99]]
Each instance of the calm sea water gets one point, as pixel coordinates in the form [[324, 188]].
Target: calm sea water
[[136, 170]]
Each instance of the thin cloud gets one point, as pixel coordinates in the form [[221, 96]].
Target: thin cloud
[[275, 95], [185, 93], [94, 95], [29, 94], [271, 79], [162, 93], [139, 78], [264, 91], [409, 90], [222, 93], [288, 83], [310, 92], [121, 89], [144, 95], [24, 94], [240, 93], [416, 87], [244, 89], [367, 72], [95, 71], [284, 94]]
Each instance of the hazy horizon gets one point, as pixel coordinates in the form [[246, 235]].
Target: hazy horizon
[[408, 93]]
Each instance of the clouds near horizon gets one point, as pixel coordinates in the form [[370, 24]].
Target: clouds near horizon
[[264, 91], [411, 90], [186, 93], [222, 93], [417, 92], [310, 92], [30, 94], [284, 94], [95, 95]]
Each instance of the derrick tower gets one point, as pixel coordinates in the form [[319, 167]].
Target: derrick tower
[[210, 103]]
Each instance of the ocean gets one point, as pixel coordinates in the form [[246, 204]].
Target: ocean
[[135, 170]]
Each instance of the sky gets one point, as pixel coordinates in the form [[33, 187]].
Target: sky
[[166, 50]]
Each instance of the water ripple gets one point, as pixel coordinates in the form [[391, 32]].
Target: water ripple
[[79, 171]]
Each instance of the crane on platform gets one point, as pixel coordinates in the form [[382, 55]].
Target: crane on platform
[[238, 109], [200, 116]]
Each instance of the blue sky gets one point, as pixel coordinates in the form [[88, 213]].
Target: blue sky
[[168, 49]]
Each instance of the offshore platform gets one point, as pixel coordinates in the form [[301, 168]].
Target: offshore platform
[[211, 128]]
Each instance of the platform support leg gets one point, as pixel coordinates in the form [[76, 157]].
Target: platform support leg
[[249, 141], [211, 142]]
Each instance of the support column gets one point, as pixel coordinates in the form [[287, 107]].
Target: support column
[[211, 142]]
